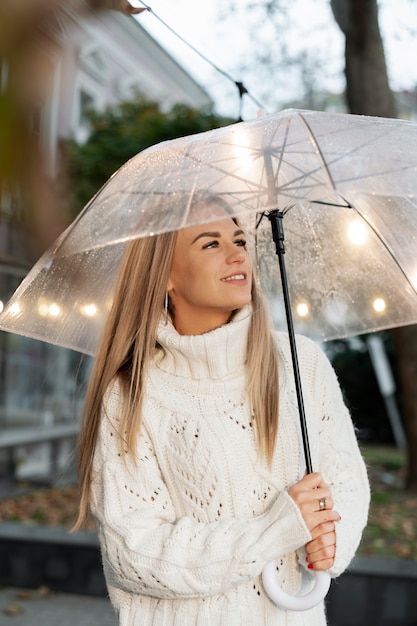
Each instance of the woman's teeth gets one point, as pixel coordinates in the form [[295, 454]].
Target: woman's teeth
[[235, 277]]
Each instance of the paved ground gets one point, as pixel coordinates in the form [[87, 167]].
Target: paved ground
[[34, 608]]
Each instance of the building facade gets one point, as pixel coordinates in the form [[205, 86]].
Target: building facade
[[105, 59], [88, 62]]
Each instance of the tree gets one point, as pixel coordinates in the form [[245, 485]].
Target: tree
[[368, 92], [367, 86], [29, 39], [118, 134]]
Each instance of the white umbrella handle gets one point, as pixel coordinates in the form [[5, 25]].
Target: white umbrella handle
[[294, 603]]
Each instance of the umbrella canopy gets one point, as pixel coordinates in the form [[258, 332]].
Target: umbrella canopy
[[346, 185]]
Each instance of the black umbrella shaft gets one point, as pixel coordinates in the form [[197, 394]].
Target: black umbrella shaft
[[276, 219]]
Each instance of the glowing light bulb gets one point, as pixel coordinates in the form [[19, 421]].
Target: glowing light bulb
[[357, 233], [302, 309], [54, 310], [43, 307], [15, 309], [89, 310], [243, 152], [379, 305]]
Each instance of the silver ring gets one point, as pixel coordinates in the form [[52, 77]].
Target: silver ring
[[322, 503]]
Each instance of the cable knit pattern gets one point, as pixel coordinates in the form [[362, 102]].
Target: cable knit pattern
[[186, 531]]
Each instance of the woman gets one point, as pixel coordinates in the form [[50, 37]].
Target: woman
[[190, 454]]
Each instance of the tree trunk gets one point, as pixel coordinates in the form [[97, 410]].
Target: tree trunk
[[367, 87], [368, 93]]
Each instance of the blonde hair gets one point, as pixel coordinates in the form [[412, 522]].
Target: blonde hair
[[129, 340]]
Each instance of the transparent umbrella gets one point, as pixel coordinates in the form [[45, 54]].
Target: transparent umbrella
[[343, 187], [346, 185]]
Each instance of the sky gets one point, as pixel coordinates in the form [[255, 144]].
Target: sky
[[223, 39]]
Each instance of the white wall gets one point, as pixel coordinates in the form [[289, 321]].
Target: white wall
[[109, 58]]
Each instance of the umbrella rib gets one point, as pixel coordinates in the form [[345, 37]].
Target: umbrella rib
[[354, 149], [313, 138], [281, 156], [386, 246], [303, 174], [373, 175]]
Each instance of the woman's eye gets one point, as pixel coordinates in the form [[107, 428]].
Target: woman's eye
[[211, 244], [241, 242]]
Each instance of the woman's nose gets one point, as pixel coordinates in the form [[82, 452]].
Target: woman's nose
[[236, 254]]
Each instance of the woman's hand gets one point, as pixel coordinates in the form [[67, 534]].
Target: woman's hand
[[315, 502]]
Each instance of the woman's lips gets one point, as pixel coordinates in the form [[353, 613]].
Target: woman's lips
[[238, 277]]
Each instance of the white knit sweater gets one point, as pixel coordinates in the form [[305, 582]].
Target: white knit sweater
[[186, 532]]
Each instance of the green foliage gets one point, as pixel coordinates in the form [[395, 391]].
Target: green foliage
[[39, 516], [118, 134], [388, 458], [391, 531]]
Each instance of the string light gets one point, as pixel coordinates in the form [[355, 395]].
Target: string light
[[54, 309], [238, 84], [48, 309], [89, 310], [302, 309], [15, 309], [357, 233], [379, 305]]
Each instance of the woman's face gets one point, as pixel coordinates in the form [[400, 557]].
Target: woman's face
[[211, 276]]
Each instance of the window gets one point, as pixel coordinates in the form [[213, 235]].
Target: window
[[88, 96]]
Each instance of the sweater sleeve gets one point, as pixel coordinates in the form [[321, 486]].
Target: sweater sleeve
[[148, 550], [341, 464]]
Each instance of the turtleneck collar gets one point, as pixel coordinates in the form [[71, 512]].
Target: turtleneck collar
[[217, 354]]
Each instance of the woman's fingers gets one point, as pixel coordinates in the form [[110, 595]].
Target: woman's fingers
[[315, 519], [321, 565], [311, 485], [312, 481], [320, 532], [314, 499], [312, 495], [321, 549], [319, 499]]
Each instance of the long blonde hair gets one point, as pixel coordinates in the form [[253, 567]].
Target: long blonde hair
[[129, 340]]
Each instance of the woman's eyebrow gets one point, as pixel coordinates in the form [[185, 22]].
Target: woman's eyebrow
[[208, 234], [215, 235]]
